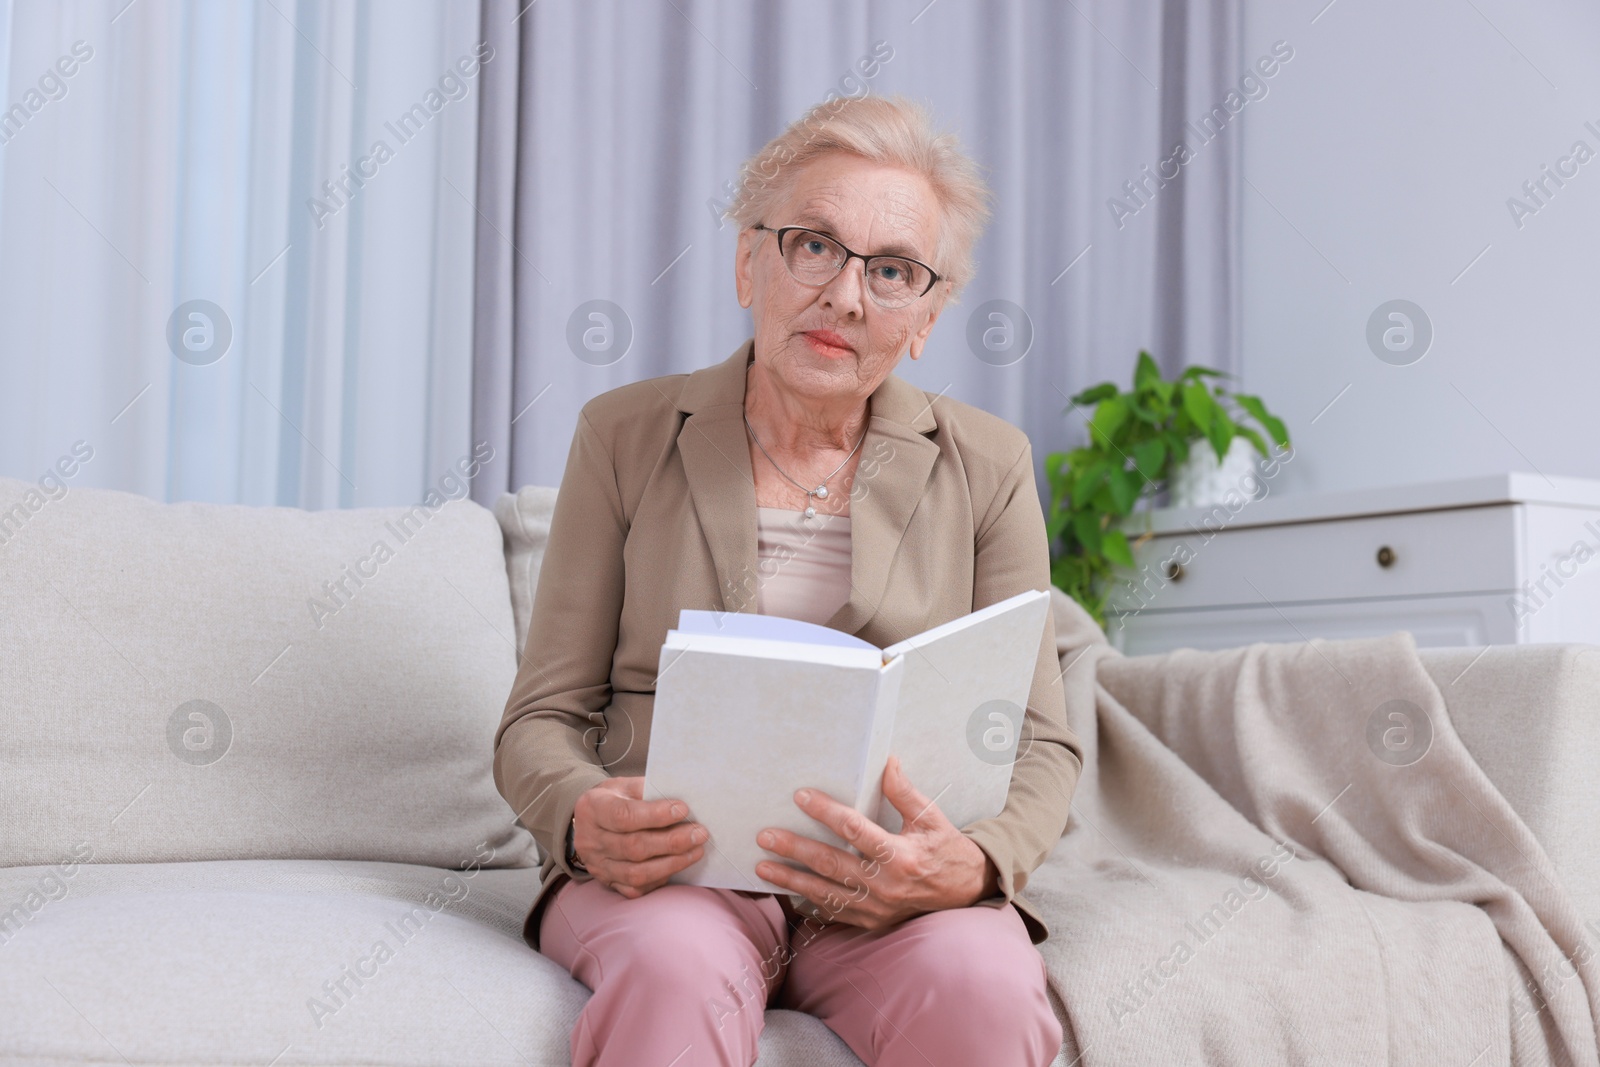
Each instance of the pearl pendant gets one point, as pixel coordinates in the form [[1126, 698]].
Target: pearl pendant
[[811, 513], [822, 492]]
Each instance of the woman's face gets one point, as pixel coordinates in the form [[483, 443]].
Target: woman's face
[[870, 209]]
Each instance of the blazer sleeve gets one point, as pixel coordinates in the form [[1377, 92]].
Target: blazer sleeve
[[545, 748], [1012, 555]]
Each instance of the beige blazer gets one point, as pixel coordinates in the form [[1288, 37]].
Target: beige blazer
[[656, 512]]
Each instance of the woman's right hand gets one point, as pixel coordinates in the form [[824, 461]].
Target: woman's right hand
[[631, 844]]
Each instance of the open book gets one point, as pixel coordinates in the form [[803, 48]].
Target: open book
[[750, 708]]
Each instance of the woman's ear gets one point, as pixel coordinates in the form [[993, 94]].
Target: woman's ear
[[743, 284], [920, 337]]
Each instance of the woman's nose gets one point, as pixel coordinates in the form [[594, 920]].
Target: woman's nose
[[846, 294]]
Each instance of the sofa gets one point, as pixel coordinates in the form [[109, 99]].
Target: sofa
[[246, 806]]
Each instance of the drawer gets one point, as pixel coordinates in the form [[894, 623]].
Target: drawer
[[1434, 622], [1431, 553]]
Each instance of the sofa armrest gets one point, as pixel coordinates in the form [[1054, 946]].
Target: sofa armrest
[[1530, 716]]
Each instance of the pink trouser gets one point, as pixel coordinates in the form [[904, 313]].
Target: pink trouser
[[682, 975]]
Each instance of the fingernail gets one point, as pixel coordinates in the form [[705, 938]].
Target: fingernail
[[699, 834], [803, 796], [766, 839], [678, 811]]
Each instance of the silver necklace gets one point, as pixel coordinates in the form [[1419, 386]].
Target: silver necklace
[[821, 491]]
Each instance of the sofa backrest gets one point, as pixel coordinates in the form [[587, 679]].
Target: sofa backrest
[[197, 681], [525, 520]]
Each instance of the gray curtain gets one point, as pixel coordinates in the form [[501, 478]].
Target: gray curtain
[[610, 134]]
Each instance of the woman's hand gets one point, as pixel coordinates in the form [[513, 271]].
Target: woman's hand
[[929, 866], [631, 844]]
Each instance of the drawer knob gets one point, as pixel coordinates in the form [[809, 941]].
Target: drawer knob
[[1386, 556], [1173, 571]]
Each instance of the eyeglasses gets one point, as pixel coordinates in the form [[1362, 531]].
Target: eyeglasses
[[816, 259]]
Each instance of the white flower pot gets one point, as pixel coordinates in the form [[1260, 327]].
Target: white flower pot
[[1201, 482]]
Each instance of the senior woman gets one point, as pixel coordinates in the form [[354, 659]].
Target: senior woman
[[798, 477]]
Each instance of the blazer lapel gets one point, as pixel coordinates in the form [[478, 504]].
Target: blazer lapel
[[716, 464], [896, 462]]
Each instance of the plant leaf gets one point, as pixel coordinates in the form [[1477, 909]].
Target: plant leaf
[[1254, 438], [1221, 433], [1087, 481], [1104, 504], [1055, 524], [1271, 423], [1125, 485], [1096, 393], [1079, 458], [1086, 524], [1109, 417], [1179, 446], [1114, 545], [1148, 456], [1198, 403], [1146, 374]]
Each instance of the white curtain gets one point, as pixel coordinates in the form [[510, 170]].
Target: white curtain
[[612, 130], [183, 159]]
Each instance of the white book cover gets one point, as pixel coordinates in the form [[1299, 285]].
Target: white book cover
[[750, 708]]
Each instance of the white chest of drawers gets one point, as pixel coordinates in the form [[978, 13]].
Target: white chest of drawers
[[1503, 559]]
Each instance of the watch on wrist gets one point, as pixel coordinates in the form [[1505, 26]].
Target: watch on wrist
[[572, 853]]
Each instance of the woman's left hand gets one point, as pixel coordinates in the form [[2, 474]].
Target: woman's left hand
[[929, 866]]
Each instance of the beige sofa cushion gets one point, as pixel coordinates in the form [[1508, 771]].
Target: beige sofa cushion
[[296, 962], [525, 520], [196, 682]]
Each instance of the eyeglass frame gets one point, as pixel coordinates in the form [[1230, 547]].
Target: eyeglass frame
[[866, 262]]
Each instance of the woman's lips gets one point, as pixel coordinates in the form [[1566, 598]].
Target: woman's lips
[[828, 344]]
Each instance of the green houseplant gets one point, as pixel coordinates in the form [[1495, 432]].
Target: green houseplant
[[1136, 440]]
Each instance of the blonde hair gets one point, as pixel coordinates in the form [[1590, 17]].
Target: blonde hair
[[893, 131]]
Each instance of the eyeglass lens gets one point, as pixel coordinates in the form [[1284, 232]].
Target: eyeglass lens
[[815, 259]]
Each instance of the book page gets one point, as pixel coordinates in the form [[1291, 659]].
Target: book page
[[733, 736], [962, 703], [765, 627], [798, 651]]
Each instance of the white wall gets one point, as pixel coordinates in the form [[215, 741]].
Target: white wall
[[1379, 167]]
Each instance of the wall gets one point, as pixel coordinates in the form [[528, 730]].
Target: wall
[[1379, 168]]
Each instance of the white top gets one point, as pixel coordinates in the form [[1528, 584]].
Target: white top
[[802, 565]]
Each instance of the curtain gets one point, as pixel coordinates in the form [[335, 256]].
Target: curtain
[[611, 133], [210, 273]]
